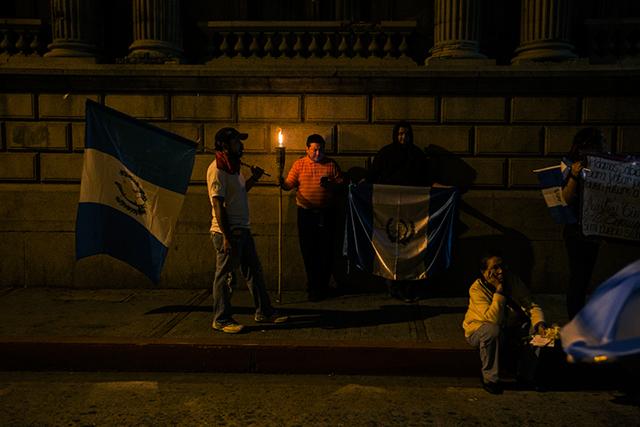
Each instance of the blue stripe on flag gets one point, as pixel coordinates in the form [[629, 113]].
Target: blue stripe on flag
[[359, 226], [151, 153], [551, 180], [550, 177], [442, 202], [101, 229], [606, 329]]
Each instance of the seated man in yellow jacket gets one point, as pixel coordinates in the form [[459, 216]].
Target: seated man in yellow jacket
[[500, 307]]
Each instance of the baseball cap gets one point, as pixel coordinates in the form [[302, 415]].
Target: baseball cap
[[227, 134]]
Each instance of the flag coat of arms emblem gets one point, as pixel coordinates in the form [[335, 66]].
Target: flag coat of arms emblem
[[400, 232], [134, 179]]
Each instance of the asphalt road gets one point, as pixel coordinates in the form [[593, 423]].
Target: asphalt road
[[159, 399]]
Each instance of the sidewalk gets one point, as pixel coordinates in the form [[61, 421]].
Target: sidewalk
[[170, 330]]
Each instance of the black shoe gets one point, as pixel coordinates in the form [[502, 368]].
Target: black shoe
[[491, 387]]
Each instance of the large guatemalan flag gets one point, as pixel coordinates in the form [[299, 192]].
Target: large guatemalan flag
[[134, 180], [398, 232]]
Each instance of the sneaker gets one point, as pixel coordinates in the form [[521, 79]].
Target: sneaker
[[274, 317], [229, 327], [491, 387]]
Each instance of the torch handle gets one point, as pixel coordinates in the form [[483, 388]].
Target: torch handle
[[280, 159]]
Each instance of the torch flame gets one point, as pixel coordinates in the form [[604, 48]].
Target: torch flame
[[280, 138]]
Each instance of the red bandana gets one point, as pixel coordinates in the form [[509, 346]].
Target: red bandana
[[224, 163]]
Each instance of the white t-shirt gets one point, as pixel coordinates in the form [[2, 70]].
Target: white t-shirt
[[232, 189]]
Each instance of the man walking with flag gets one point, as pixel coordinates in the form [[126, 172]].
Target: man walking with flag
[[231, 233]]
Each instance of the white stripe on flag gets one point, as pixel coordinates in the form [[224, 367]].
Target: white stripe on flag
[[553, 197], [400, 218], [105, 180]]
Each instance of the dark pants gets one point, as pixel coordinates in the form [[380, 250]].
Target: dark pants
[[316, 230], [582, 253], [499, 343]]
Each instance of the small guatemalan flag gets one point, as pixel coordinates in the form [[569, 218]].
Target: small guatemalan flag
[[134, 180], [607, 328], [399, 232], [551, 179]]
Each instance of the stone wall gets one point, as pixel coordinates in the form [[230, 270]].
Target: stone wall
[[485, 132]]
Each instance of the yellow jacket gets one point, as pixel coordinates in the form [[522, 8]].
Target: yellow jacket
[[486, 306]]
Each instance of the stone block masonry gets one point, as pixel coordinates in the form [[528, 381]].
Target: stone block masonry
[[37, 136], [473, 109], [17, 106], [544, 109], [64, 106], [148, 107], [487, 142], [272, 107]]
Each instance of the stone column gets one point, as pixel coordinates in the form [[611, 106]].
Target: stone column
[[157, 33], [75, 29], [457, 29], [544, 31]]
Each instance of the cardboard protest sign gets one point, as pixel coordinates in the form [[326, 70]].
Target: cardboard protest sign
[[611, 198]]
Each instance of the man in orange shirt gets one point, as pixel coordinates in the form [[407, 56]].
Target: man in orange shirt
[[316, 178]]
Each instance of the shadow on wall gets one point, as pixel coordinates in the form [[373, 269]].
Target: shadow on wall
[[449, 169]]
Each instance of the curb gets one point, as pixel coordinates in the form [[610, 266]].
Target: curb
[[164, 355]]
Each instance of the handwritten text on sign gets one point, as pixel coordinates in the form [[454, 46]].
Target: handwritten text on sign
[[611, 203]]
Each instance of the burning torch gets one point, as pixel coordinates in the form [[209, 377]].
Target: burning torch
[[280, 159]]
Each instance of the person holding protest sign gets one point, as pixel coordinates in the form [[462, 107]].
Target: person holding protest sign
[[582, 251]]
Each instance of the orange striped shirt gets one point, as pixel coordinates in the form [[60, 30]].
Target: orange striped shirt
[[305, 174]]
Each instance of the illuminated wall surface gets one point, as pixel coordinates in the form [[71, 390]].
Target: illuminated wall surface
[[493, 89]]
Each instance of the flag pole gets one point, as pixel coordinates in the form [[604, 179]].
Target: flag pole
[[280, 152]]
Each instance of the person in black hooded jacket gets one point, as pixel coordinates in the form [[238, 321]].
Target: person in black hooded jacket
[[401, 163]]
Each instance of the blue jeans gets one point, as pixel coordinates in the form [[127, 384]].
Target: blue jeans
[[243, 256], [491, 340]]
